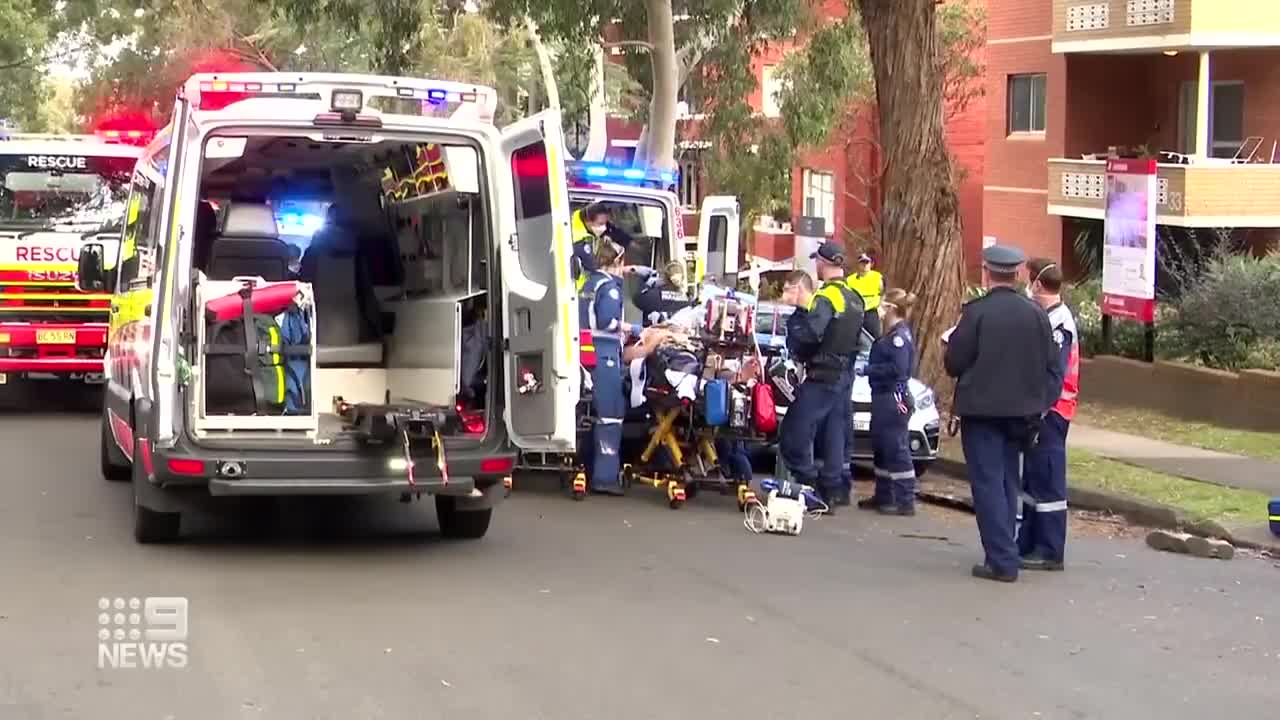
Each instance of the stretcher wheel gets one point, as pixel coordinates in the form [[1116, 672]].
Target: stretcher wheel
[[691, 489], [675, 495], [580, 487], [628, 476], [746, 497]]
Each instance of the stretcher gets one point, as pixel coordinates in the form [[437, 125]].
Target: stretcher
[[697, 392]]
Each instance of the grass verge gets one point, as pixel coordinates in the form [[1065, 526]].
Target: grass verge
[[1158, 426], [1200, 501]]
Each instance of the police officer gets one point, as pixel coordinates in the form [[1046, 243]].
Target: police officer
[[1001, 355], [823, 335], [600, 310], [869, 284], [1042, 538], [663, 295], [589, 225], [888, 372]]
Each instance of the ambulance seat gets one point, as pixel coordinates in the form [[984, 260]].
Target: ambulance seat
[[249, 245], [348, 332]]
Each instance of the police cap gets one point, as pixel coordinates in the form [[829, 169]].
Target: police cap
[[1003, 259], [830, 252]]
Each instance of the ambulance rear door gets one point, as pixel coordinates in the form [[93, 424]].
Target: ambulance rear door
[[718, 228], [540, 314]]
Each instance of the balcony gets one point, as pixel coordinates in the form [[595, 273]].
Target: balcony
[[1208, 193], [1107, 26]]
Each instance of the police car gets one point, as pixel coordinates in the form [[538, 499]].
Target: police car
[[924, 427]]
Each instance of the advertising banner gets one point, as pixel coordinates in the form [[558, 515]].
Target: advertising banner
[[1129, 247]]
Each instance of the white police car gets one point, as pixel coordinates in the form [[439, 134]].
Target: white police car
[[924, 427]]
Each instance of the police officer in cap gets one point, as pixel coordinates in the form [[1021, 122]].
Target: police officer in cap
[[1002, 354], [823, 335]]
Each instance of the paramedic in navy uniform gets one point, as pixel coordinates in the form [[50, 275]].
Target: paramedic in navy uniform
[[888, 373], [600, 306], [663, 295], [1004, 358]]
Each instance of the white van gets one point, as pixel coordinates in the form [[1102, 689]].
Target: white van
[[404, 226]]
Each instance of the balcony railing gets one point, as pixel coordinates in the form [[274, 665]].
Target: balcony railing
[[1206, 194], [1128, 25]]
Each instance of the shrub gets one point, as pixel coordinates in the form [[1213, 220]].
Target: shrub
[[1128, 338], [1227, 316]]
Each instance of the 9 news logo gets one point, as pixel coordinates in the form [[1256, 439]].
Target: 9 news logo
[[149, 633]]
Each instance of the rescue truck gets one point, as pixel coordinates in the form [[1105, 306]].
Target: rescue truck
[[393, 220], [57, 192]]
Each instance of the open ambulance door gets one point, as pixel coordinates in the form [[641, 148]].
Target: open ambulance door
[[541, 367], [718, 229]]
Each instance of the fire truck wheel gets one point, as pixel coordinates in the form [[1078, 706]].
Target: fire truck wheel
[[458, 524], [115, 467]]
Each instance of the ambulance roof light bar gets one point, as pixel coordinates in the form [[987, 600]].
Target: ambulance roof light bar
[[598, 172], [346, 89]]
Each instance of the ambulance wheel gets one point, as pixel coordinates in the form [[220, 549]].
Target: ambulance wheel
[[114, 465], [150, 527], [458, 524]]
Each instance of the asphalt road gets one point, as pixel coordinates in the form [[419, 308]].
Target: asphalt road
[[614, 608]]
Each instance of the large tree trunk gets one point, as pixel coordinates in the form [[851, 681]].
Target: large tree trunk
[[658, 144], [598, 139], [550, 88], [920, 219]]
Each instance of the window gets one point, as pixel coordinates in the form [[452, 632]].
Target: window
[[689, 188], [820, 197], [1226, 118], [141, 232], [1026, 103], [534, 225], [770, 87]]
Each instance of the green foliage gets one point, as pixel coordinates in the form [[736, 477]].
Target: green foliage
[[1227, 317], [823, 84], [34, 35]]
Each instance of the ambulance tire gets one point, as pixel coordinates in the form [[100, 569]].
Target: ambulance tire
[[115, 466], [458, 524], [151, 527]]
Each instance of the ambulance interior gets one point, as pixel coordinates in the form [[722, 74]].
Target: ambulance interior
[[394, 239], [650, 230]]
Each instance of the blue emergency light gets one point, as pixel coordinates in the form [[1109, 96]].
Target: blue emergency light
[[630, 176]]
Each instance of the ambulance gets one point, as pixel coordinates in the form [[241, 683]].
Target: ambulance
[[421, 254], [57, 192]]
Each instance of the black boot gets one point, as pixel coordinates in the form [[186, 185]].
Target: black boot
[[902, 510], [986, 572], [868, 504]]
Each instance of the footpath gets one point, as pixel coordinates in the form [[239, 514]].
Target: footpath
[[1206, 466]]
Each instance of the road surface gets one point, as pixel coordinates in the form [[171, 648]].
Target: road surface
[[614, 608]]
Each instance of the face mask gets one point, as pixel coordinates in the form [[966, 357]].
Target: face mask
[[677, 282], [597, 229]]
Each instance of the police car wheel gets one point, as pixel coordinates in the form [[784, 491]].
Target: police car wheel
[[458, 524], [921, 468]]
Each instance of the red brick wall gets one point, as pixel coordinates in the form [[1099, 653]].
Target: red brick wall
[[1015, 182]]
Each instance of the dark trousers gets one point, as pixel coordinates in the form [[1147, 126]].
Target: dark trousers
[[1044, 499], [871, 322], [891, 454], [992, 450], [610, 408], [834, 441], [735, 463], [814, 401]]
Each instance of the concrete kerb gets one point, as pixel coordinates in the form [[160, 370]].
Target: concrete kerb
[[1139, 512]]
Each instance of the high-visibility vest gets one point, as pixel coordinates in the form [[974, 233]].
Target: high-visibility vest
[[1061, 319], [869, 286]]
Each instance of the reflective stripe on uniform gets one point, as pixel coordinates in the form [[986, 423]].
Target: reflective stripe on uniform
[[1044, 507], [606, 335], [609, 421], [900, 475]]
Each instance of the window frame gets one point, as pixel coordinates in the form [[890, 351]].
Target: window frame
[[770, 86], [824, 201], [1032, 110]]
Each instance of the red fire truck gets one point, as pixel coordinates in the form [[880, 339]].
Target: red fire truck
[[57, 192]]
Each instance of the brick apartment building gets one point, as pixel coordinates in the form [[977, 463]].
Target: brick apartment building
[[1195, 83], [830, 181]]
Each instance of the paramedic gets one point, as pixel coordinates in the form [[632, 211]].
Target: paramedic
[[589, 226], [1001, 353], [870, 285], [600, 311], [822, 334], [735, 461], [888, 372], [1042, 539], [663, 295]]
